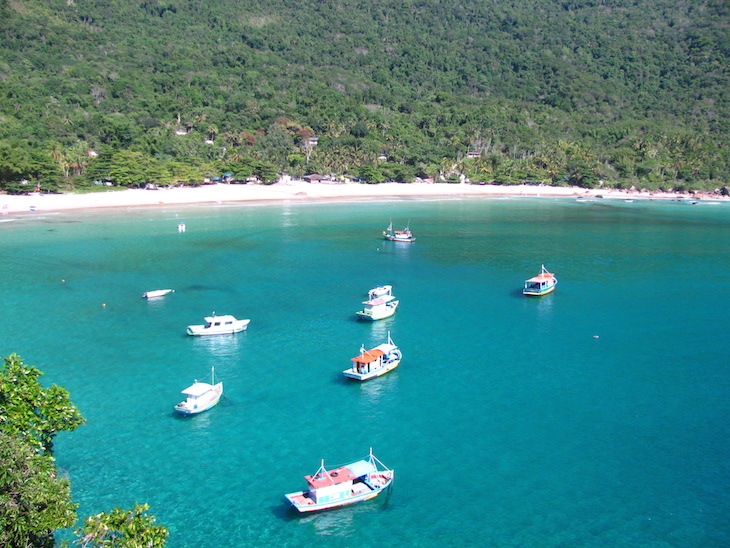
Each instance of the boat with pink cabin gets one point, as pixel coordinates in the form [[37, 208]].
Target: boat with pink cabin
[[355, 482], [542, 284], [380, 304]]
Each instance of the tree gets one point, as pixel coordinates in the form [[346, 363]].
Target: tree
[[33, 499], [30, 412], [122, 529], [371, 175]]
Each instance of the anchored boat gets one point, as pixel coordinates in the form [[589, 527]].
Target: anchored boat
[[541, 284], [404, 235], [200, 396], [156, 293], [380, 304], [355, 482], [218, 325], [375, 362]]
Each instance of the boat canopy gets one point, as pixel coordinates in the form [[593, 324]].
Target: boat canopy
[[324, 478], [197, 389], [224, 318], [543, 277], [361, 468], [380, 300], [369, 356]]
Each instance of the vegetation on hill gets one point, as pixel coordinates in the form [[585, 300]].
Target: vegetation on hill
[[560, 91]]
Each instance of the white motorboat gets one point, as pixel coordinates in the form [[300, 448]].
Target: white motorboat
[[218, 325], [378, 308], [200, 396], [157, 293], [356, 482], [374, 362]]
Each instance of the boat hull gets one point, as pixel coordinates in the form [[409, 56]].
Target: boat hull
[[350, 374], [201, 330], [156, 293], [187, 411], [304, 504], [538, 293], [186, 408], [378, 313], [393, 238]]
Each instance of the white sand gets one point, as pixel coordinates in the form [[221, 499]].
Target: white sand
[[300, 191]]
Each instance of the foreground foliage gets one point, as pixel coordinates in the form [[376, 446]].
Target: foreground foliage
[[120, 528], [31, 412], [555, 91], [33, 499]]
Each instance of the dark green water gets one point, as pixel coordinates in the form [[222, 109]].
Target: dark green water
[[595, 416]]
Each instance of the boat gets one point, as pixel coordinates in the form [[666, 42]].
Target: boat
[[379, 307], [404, 235], [355, 482], [156, 293], [379, 291], [218, 325], [541, 284], [200, 396], [374, 362]]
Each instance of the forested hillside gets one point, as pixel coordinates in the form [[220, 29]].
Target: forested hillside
[[630, 92]]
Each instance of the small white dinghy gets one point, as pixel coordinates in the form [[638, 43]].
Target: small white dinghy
[[157, 293], [200, 396]]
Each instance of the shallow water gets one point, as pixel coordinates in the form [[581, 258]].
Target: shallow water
[[596, 415]]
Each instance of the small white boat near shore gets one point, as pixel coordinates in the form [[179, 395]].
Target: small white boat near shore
[[200, 396], [374, 362], [157, 293], [355, 482], [218, 325]]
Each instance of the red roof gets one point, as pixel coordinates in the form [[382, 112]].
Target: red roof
[[332, 477], [369, 356], [543, 277]]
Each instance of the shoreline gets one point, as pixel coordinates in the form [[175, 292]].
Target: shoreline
[[306, 191]]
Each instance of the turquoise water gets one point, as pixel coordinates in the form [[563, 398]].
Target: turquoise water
[[594, 416]]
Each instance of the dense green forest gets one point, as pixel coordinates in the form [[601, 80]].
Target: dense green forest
[[624, 92]]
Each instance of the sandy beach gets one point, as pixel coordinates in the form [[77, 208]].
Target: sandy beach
[[303, 191]]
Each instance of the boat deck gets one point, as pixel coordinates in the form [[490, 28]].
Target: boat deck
[[302, 499]]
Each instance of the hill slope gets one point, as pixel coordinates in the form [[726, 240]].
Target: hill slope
[[558, 91]]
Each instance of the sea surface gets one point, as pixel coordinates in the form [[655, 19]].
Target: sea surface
[[598, 415]]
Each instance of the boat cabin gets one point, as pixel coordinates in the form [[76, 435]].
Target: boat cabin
[[196, 390], [335, 485], [541, 284], [380, 291], [536, 285], [219, 321], [199, 397], [378, 301], [368, 361]]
